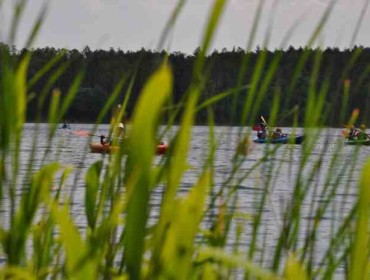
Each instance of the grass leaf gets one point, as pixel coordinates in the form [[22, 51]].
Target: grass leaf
[[91, 193], [142, 143], [359, 264]]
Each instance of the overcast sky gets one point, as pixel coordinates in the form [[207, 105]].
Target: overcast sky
[[133, 24]]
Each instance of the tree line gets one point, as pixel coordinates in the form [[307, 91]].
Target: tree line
[[292, 74]]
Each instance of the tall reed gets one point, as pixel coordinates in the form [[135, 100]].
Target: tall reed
[[199, 234]]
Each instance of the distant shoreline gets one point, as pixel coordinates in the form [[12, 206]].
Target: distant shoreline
[[177, 124]]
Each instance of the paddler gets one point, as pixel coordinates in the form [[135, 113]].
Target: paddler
[[262, 133], [362, 135], [353, 133]]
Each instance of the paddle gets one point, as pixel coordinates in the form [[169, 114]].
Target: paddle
[[265, 123], [83, 133]]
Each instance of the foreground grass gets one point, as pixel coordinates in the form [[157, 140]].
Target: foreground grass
[[42, 239]]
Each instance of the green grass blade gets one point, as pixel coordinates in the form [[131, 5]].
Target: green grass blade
[[171, 23], [36, 28], [49, 85], [304, 57], [178, 248], [46, 68], [14, 244], [74, 246], [142, 147], [359, 22], [17, 117], [359, 262], [294, 269], [213, 20], [92, 187], [19, 7], [54, 106], [218, 97], [71, 94], [43, 242], [234, 261]]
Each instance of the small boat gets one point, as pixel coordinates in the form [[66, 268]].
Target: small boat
[[97, 147], [65, 126], [365, 142], [161, 149], [282, 140]]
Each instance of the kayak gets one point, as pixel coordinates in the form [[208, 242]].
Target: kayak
[[65, 127], [282, 140], [365, 142], [161, 149], [97, 147]]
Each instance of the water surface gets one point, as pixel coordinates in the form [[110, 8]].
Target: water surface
[[279, 172]]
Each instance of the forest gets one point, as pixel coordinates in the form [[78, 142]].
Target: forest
[[287, 73]]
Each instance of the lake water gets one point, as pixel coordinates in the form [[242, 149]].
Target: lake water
[[282, 168]]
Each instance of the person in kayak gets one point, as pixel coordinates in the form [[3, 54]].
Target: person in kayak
[[262, 131], [278, 133], [118, 135], [120, 131], [65, 125], [353, 133], [362, 135], [103, 139]]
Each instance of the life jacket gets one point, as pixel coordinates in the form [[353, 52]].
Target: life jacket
[[261, 134]]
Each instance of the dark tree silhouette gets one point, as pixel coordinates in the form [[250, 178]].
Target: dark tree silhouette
[[103, 69]]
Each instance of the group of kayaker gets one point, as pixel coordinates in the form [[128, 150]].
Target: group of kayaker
[[264, 132], [358, 134]]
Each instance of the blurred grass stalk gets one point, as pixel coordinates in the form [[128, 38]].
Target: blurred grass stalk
[[118, 241]]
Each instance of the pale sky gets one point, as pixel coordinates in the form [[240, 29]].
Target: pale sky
[[133, 24]]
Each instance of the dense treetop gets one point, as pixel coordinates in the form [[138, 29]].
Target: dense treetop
[[321, 70]]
